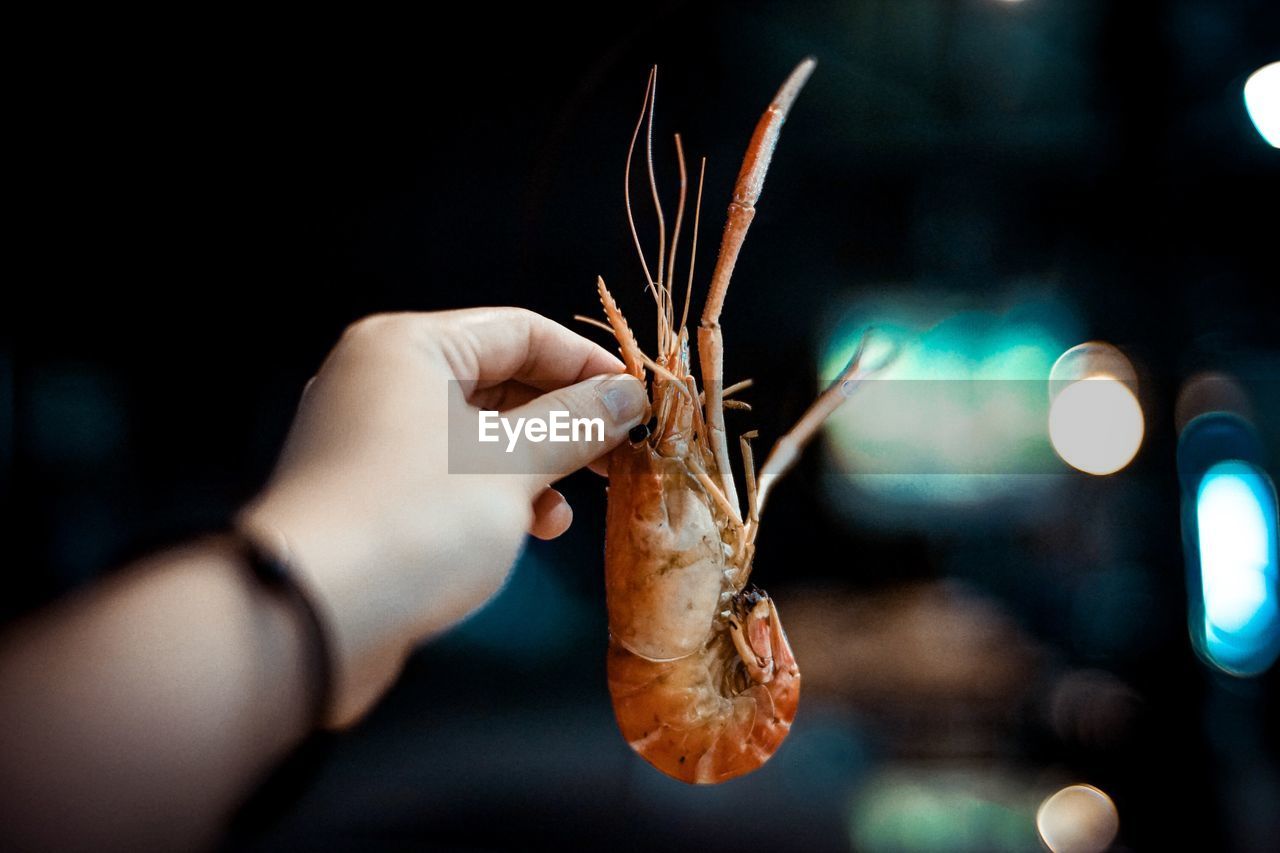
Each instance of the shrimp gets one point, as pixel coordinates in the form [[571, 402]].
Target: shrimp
[[703, 680]]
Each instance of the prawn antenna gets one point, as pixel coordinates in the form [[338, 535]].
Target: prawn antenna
[[693, 249], [675, 233], [663, 343], [626, 182]]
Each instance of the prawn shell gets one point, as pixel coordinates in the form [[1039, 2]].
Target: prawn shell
[[664, 561], [675, 715]]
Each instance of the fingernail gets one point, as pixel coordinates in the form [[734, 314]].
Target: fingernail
[[624, 396]]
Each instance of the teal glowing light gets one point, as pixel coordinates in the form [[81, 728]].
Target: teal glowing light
[[943, 811], [956, 419], [1236, 540]]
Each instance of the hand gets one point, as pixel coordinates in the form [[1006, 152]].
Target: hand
[[392, 545]]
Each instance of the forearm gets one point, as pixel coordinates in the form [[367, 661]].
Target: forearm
[[380, 592], [141, 714]]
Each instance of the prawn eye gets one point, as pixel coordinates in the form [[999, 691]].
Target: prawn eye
[[638, 433]]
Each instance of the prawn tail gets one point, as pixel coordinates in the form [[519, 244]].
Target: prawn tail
[[676, 717]]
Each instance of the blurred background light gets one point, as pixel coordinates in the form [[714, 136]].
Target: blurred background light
[[922, 810], [1078, 819], [1096, 425], [957, 413], [1211, 391], [1095, 419], [1262, 99], [1229, 520], [1236, 529]]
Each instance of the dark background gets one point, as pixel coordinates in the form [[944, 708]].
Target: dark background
[[207, 201]]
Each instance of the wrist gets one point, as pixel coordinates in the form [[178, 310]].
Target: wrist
[[330, 563], [271, 566]]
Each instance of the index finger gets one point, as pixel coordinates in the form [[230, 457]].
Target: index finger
[[486, 346]]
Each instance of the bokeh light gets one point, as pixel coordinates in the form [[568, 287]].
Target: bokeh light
[[1262, 100], [1211, 391], [1096, 425], [957, 811], [1095, 419], [1236, 528], [1078, 819], [959, 411], [1230, 532]]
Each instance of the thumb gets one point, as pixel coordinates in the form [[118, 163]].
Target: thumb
[[583, 421]]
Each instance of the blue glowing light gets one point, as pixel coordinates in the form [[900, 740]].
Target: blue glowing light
[[1236, 540], [1229, 535]]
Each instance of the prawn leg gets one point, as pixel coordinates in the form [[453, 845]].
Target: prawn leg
[[787, 450], [741, 211]]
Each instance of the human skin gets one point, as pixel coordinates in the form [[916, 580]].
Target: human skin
[[141, 712]]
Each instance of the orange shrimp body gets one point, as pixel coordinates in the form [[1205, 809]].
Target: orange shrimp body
[[692, 707], [697, 719], [704, 683]]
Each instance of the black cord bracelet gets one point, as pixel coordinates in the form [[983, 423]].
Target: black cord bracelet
[[274, 573]]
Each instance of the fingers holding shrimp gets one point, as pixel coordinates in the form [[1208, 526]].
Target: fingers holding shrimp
[[603, 410], [526, 365], [489, 346]]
